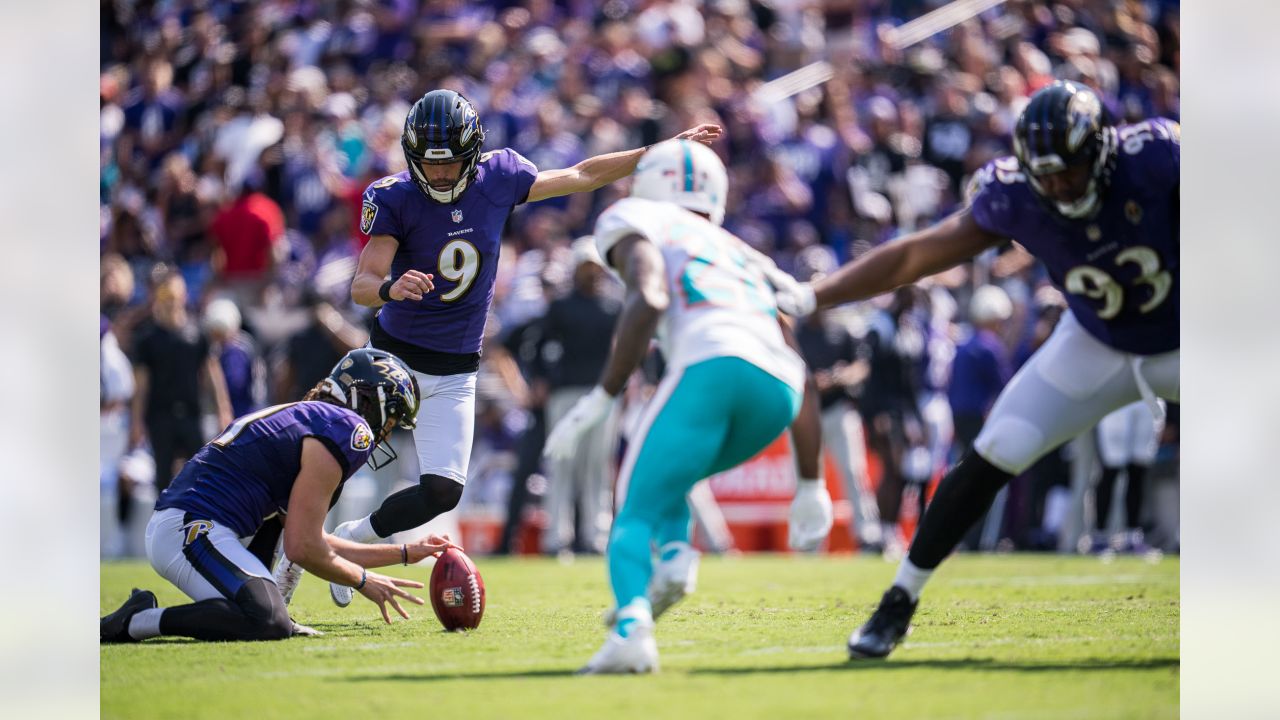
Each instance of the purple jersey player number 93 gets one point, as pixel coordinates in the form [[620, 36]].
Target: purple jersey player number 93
[[1119, 268]]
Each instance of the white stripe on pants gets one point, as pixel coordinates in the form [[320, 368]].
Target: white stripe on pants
[[165, 541]]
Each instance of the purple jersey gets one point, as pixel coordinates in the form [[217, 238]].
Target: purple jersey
[[1119, 269], [457, 243], [245, 475]]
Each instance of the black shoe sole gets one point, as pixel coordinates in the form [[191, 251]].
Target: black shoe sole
[[855, 654]]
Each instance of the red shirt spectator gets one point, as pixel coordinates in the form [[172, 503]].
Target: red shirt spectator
[[247, 236]]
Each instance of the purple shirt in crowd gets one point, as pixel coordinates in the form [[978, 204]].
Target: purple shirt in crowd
[[978, 374], [237, 362]]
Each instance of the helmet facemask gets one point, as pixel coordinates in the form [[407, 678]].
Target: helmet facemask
[[1066, 126], [441, 128], [388, 403], [1099, 177]]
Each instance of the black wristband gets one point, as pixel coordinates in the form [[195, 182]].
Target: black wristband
[[364, 575], [404, 554], [384, 290]]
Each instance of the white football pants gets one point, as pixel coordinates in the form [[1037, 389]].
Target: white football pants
[[1066, 387], [446, 424]]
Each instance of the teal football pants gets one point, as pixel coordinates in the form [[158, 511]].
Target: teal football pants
[[705, 419]]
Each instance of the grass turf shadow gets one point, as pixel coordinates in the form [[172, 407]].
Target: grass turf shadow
[[985, 664]]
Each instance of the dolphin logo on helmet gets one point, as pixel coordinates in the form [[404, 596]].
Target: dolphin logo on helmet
[[686, 173]]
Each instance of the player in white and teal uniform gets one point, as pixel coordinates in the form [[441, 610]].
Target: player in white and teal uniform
[[732, 385]]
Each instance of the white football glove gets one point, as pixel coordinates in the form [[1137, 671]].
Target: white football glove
[[793, 297], [591, 410], [797, 301], [811, 516]]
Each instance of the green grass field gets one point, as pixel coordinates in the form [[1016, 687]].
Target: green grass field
[[996, 637]]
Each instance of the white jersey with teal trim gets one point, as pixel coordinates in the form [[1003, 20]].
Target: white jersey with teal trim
[[721, 304]]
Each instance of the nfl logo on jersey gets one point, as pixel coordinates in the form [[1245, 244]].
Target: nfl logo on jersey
[[457, 216]]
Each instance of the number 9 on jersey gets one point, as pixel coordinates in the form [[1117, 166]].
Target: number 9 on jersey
[[460, 262]]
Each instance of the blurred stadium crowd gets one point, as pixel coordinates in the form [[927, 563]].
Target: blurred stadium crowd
[[237, 138]]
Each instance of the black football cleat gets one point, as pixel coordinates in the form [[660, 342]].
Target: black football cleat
[[114, 628], [886, 628]]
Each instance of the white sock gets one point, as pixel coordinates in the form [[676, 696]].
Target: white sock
[[889, 533], [813, 480], [362, 531], [145, 624], [911, 579], [636, 611]]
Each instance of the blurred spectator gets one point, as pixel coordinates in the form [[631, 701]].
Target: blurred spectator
[[1163, 483], [524, 344], [840, 366], [982, 365], [118, 298], [171, 355], [938, 309], [577, 336], [248, 242], [982, 368], [1127, 442], [115, 382], [891, 413], [309, 354], [242, 367], [949, 134]]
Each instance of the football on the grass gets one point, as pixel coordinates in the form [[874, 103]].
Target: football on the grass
[[457, 591]]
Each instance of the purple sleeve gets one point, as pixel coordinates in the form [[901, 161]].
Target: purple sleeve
[[1163, 153], [520, 172], [989, 192], [378, 216], [349, 439]]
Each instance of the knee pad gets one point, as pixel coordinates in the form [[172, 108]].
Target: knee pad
[[259, 599], [440, 494], [1011, 444], [411, 507]]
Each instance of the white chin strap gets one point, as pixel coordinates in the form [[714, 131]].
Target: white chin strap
[[1082, 207], [441, 196], [449, 196]]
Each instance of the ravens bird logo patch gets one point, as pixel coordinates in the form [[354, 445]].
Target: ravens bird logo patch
[[361, 438], [368, 211]]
